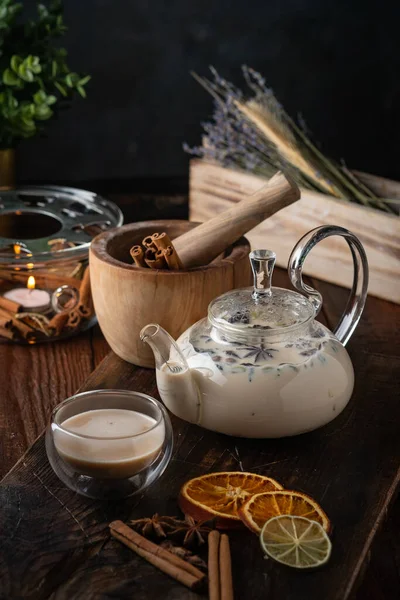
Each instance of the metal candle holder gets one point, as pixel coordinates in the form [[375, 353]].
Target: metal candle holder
[[45, 232]]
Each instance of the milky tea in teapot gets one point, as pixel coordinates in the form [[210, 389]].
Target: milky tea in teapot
[[260, 365]]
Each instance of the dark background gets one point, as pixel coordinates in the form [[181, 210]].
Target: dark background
[[335, 61]]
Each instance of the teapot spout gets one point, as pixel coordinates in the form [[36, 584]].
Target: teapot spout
[[176, 384], [165, 349]]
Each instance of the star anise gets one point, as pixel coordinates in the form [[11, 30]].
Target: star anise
[[189, 532], [260, 353], [156, 526], [193, 532]]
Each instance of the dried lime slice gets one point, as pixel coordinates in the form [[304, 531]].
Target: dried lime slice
[[295, 541]]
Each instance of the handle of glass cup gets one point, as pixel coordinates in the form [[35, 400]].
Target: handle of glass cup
[[358, 295]]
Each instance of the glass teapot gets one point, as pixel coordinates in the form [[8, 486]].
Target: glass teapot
[[260, 365]]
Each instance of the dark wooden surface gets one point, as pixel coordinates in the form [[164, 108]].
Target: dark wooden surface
[[54, 543]]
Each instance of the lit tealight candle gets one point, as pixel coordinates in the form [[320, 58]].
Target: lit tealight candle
[[30, 298]]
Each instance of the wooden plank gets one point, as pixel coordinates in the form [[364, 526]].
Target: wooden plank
[[213, 189], [380, 572], [33, 379], [55, 543], [381, 186]]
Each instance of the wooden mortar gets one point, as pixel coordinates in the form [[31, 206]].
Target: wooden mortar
[[126, 298]]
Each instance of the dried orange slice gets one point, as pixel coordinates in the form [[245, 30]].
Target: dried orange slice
[[220, 495], [262, 507]]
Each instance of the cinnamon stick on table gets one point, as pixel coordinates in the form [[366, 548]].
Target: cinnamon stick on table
[[74, 318], [7, 333], [225, 569], [213, 565], [220, 586], [58, 322], [6, 318], [9, 305], [24, 330], [8, 321], [85, 306], [169, 563]]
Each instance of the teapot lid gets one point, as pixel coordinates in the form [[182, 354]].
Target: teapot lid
[[262, 307]]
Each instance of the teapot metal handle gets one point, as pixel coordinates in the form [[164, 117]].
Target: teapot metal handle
[[358, 295]]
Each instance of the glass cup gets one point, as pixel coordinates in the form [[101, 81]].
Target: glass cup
[[116, 450]]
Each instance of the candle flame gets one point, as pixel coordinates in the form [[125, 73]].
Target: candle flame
[[17, 249], [31, 283]]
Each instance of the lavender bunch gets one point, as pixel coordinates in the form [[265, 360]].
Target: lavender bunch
[[255, 134], [229, 138]]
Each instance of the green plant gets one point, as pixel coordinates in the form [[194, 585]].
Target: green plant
[[34, 76]]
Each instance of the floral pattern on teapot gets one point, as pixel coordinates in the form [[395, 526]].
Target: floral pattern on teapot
[[230, 356]]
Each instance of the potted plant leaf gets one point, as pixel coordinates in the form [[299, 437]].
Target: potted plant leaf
[[35, 79]]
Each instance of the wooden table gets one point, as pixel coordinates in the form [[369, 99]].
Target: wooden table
[[66, 555]]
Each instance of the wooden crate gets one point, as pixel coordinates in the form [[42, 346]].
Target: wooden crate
[[214, 188]]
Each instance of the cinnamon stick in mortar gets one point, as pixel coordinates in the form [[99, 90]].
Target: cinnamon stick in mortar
[[153, 259], [160, 259], [172, 259], [202, 244], [137, 254], [148, 242], [163, 242]]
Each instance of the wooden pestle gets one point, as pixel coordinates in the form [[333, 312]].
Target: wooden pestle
[[201, 245]]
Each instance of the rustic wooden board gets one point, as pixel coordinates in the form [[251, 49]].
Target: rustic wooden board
[[214, 189], [33, 380], [55, 543]]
